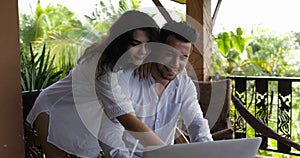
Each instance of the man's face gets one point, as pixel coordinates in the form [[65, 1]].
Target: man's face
[[173, 59]]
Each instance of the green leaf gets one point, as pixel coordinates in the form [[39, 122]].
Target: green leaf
[[135, 4], [37, 71], [223, 42]]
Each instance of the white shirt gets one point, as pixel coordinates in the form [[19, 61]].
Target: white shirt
[[161, 113]]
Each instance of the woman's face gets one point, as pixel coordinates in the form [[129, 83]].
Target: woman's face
[[137, 51]]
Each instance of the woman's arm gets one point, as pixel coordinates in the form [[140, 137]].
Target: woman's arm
[[139, 130], [117, 105]]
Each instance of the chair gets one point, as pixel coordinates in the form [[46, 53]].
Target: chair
[[32, 147], [214, 98]]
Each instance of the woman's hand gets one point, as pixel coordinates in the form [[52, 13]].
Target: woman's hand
[[143, 71], [139, 130]]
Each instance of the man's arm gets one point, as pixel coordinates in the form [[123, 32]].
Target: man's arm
[[192, 115]]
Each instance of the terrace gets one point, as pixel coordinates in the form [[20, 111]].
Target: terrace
[[270, 99]]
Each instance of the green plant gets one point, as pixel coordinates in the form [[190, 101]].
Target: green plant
[[37, 70], [230, 46]]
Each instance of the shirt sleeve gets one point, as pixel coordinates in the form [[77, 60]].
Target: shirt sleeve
[[113, 98], [110, 139], [192, 115], [113, 152]]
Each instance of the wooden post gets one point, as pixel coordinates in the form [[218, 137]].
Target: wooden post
[[199, 16], [11, 121]]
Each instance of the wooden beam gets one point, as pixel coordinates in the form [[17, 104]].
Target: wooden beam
[[199, 16], [216, 13], [162, 10], [11, 118]]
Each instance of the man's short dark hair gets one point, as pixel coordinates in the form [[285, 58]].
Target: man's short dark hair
[[180, 30]]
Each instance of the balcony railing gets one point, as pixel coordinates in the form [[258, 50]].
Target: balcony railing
[[273, 100]]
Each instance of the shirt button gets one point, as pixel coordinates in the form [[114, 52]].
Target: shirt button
[[157, 120]]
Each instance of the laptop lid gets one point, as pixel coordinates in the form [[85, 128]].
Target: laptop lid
[[233, 148]]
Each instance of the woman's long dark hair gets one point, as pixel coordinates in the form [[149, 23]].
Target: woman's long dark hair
[[119, 38]]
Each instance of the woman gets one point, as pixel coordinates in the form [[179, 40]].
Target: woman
[[67, 115]]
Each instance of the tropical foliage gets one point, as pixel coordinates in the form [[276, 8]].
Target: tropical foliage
[[262, 53], [67, 34], [57, 27], [230, 47], [273, 53], [37, 69]]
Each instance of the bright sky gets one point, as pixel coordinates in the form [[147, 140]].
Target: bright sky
[[278, 15]]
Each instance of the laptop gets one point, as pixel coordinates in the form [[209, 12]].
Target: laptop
[[233, 148]]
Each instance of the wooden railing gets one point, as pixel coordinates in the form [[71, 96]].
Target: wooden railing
[[273, 100]]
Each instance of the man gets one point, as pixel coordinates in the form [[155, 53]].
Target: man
[[166, 94]]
